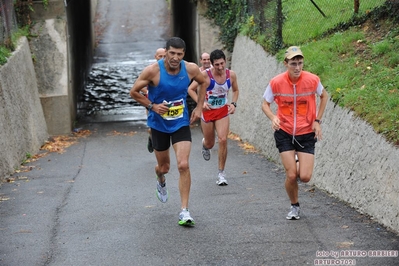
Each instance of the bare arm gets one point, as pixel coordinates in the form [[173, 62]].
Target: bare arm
[[148, 76], [320, 112], [202, 82], [141, 83], [192, 91], [269, 113], [323, 104], [234, 87]]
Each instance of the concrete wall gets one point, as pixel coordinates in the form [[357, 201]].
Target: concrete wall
[[49, 49], [352, 162], [22, 123], [63, 51]]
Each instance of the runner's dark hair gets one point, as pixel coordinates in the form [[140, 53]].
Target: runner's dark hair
[[217, 54], [175, 42]]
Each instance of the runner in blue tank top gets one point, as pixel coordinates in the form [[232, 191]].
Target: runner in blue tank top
[[168, 117]]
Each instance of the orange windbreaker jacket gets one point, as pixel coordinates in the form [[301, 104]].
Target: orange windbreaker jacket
[[296, 102]]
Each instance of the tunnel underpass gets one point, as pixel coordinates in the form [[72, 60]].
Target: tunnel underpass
[[128, 33]]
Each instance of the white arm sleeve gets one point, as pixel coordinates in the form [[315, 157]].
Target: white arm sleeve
[[320, 88], [268, 95]]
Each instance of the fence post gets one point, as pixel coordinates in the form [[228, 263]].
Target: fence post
[[356, 7], [279, 31], [7, 24]]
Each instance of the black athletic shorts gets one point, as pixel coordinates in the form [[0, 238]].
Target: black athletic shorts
[[301, 143], [161, 141]]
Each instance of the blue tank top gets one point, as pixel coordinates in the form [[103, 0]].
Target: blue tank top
[[173, 90]]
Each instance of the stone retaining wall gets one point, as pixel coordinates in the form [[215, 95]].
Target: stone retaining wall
[[23, 127], [353, 163]]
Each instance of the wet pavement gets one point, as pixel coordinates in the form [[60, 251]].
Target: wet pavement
[[94, 202], [107, 91], [126, 43]]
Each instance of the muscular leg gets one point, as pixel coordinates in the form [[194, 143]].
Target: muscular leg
[[291, 185], [305, 168], [208, 131], [182, 150], [163, 164], [306, 164], [222, 129]]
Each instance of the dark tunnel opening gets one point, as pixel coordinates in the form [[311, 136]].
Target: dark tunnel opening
[[102, 94], [184, 25]]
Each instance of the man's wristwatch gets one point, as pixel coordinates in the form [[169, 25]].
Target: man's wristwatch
[[149, 107], [234, 103], [318, 121]]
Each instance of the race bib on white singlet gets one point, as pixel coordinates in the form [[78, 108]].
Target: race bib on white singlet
[[176, 110], [217, 101]]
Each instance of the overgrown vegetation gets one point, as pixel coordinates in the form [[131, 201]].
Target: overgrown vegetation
[[361, 72], [23, 8], [356, 59], [338, 15], [229, 16], [7, 49]]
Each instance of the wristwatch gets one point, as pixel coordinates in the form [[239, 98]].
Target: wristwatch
[[318, 121], [234, 103], [149, 107]]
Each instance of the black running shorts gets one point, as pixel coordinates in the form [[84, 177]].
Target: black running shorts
[[161, 141], [301, 143]]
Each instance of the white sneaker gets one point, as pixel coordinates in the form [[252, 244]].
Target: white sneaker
[[222, 179], [206, 153], [185, 218], [162, 192], [294, 213]]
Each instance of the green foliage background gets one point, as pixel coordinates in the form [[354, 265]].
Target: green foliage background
[[355, 55]]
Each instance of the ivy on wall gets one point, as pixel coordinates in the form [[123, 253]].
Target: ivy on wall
[[229, 16], [23, 8]]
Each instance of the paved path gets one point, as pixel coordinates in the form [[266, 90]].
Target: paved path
[[95, 204]]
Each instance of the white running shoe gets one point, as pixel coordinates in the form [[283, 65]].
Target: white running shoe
[[206, 153], [222, 179], [162, 192], [294, 213], [185, 218]]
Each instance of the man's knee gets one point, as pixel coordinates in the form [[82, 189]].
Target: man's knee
[[305, 178], [209, 143], [183, 166], [164, 168], [291, 177], [222, 140]]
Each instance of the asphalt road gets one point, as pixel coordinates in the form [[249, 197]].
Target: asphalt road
[[95, 204]]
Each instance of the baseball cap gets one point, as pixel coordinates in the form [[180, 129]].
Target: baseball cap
[[293, 51]]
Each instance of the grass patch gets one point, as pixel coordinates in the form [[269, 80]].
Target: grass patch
[[7, 49], [360, 68], [4, 54], [299, 15]]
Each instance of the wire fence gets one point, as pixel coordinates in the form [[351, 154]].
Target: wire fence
[[292, 22], [8, 20]]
